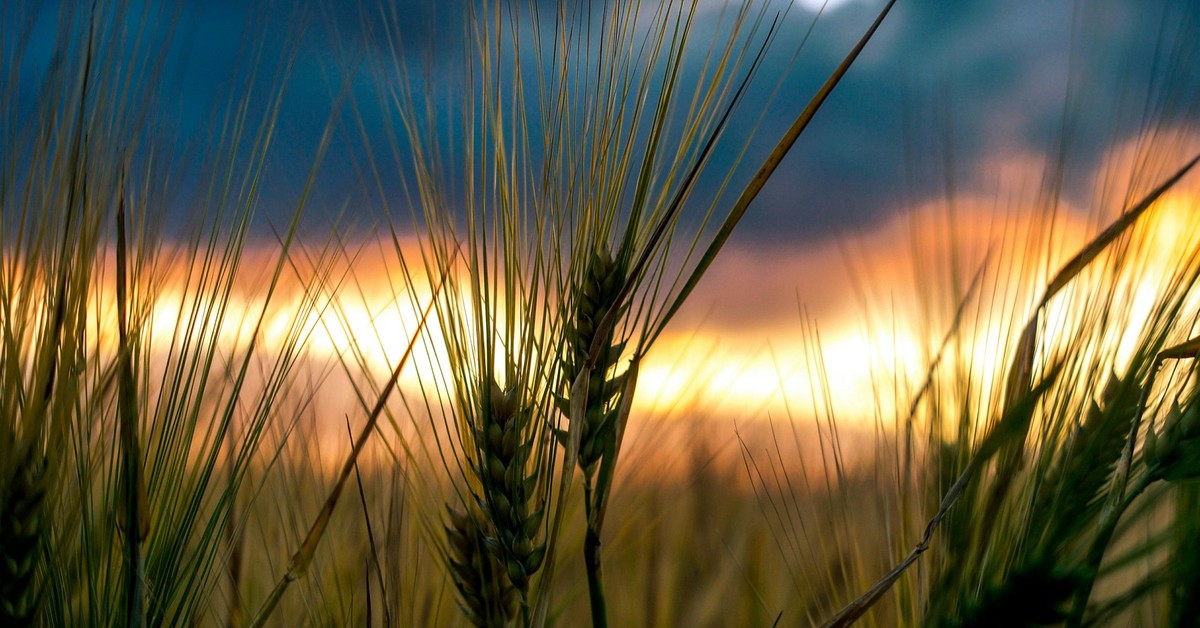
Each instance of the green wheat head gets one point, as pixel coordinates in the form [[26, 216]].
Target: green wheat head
[[23, 527]]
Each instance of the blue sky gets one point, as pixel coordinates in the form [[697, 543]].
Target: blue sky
[[944, 86]]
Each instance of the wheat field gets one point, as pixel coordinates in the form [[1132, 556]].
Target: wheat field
[[468, 383]]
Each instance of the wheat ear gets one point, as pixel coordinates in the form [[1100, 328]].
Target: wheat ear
[[487, 595], [22, 522]]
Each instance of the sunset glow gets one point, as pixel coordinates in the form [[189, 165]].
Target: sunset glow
[[753, 357]]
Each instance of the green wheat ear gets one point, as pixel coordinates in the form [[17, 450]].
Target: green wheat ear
[[488, 598], [1173, 453], [508, 488], [596, 295], [21, 528]]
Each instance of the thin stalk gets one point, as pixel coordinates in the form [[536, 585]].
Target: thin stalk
[[570, 456], [855, 609], [236, 541], [374, 562], [596, 503]]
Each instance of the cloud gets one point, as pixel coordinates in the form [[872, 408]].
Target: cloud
[[943, 87]]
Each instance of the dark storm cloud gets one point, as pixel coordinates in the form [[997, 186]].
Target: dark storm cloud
[[953, 82], [943, 85]]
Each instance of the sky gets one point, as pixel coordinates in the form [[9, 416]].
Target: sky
[[959, 104], [957, 83]]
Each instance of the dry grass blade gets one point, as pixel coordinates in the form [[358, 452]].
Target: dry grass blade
[[1183, 350], [303, 556]]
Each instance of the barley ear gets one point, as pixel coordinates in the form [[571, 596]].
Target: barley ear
[[486, 595], [600, 409], [595, 298], [509, 484], [22, 523]]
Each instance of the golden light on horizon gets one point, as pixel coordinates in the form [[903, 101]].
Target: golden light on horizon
[[757, 358]]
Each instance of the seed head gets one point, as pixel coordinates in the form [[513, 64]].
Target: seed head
[[1173, 454], [22, 522], [595, 298]]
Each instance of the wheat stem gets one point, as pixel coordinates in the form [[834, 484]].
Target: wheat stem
[[591, 559]]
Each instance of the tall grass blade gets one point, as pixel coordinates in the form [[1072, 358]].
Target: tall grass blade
[[137, 519]]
